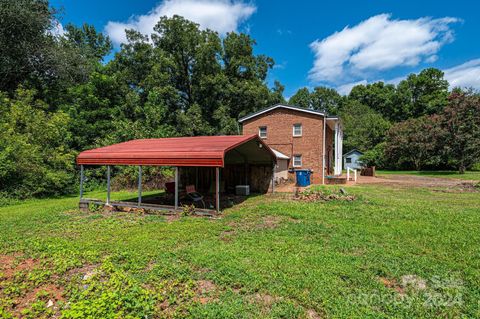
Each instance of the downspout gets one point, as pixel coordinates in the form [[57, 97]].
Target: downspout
[[323, 146]]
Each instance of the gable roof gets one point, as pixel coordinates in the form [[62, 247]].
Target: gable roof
[[283, 106], [279, 154], [174, 151], [353, 151]]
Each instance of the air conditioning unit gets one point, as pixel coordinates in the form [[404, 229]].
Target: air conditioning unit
[[242, 190]]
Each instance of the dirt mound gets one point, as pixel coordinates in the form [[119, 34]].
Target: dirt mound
[[317, 196]]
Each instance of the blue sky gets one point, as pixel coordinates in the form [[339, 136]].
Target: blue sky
[[330, 43]]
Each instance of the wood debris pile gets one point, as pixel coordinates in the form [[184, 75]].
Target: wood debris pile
[[320, 196]]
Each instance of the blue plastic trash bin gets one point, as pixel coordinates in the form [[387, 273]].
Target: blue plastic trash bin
[[303, 177]]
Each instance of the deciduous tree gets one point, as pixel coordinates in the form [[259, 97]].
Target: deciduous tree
[[363, 127], [460, 122], [413, 143]]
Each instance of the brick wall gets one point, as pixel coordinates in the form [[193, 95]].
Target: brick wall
[[279, 123]]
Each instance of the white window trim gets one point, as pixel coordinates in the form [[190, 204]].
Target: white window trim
[[301, 130], [293, 159], [260, 132]]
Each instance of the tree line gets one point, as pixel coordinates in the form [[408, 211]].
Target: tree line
[[417, 124], [64, 93], [61, 94]]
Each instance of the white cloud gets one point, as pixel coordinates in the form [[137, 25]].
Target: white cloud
[[57, 29], [346, 88], [378, 43], [280, 66], [465, 75], [219, 15]]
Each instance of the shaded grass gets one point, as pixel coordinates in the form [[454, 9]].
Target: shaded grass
[[269, 257]]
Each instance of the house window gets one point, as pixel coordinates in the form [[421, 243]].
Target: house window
[[262, 131], [297, 129], [297, 160], [348, 160]]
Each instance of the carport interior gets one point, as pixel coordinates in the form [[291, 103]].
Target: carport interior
[[248, 162]]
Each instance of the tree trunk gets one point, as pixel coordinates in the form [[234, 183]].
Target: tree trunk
[[417, 165]]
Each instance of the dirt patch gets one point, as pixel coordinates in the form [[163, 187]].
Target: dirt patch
[[312, 314], [250, 224], [172, 217], [413, 181], [205, 286], [6, 260], [49, 293], [414, 282], [12, 264], [150, 266], [266, 299], [465, 187], [392, 283], [85, 272], [227, 235], [205, 291], [407, 283], [269, 222], [6, 269], [285, 188]]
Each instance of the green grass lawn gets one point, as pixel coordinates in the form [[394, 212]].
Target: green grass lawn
[[391, 253], [469, 175]]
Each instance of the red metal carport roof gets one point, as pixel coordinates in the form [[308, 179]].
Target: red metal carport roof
[[174, 151]]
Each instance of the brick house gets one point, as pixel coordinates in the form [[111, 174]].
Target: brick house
[[310, 139]]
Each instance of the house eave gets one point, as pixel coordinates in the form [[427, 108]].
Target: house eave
[[284, 106]]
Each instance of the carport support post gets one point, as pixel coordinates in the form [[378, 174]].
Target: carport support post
[[273, 178], [196, 178], [108, 185], [176, 188], [81, 181], [217, 188], [139, 186]]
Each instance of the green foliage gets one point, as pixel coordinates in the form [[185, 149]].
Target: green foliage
[[375, 156], [188, 210], [321, 98], [183, 81], [110, 293], [451, 138], [419, 94], [380, 97], [413, 143], [301, 98], [25, 43], [94, 45], [92, 108], [34, 154], [423, 94], [179, 81], [460, 122], [363, 127]]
